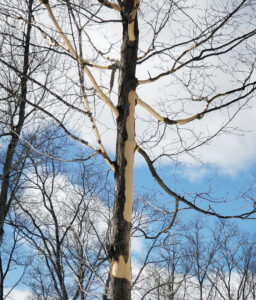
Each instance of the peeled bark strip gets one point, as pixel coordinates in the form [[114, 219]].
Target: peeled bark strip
[[129, 156], [120, 248]]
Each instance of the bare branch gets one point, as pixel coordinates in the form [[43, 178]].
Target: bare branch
[[81, 61], [110, 4], [177, 197]]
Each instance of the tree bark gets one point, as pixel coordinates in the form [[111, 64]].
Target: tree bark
[[1, 280], [119, 251], [16, 129]]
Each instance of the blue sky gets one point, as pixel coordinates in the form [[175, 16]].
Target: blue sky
[[235, 192], [188, 178], [224, 166]]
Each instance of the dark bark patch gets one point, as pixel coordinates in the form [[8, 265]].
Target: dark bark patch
[[121, 238], [122, 289]]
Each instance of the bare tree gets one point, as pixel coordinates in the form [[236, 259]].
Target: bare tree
[[233, 275], [65, 226], [13, 258], [13, 111], [167, 277], [187, 56], [201, 252], [204, 262], [13, 118]]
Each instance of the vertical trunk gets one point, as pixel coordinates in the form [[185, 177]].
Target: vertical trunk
[[119, 252], [171, 285], [201, 291], [1, 280], [16, 130]]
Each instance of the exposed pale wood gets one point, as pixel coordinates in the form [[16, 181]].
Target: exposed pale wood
[[166, 120], [133, 14], [129, 156], [121, 268], [80, 60], [110, 4]]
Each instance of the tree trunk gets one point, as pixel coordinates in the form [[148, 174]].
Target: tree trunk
[[201, 290], [16, 129], [119, 252], [1, 280]]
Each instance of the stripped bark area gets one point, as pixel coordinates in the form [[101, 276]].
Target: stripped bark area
[[119, 250]]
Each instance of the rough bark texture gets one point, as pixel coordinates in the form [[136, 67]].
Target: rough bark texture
[[119, 250], [16, 129]]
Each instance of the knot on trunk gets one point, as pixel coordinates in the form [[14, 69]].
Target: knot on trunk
[[112, 253]]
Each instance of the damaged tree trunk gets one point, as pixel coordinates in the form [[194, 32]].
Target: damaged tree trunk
[[120, 257]]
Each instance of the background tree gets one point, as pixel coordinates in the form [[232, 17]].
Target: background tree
[[13, 108], [201, 262], [15, 48], [13, 259], [65, 225]]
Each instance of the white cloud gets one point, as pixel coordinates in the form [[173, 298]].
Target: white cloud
[[137, 245], [18, 295], [194, 174], [66, 200], [229, 153], [186, 287], [232, 153]]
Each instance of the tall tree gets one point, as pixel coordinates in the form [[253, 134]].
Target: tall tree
[[15, 113], [66, 228], [95, 39]]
